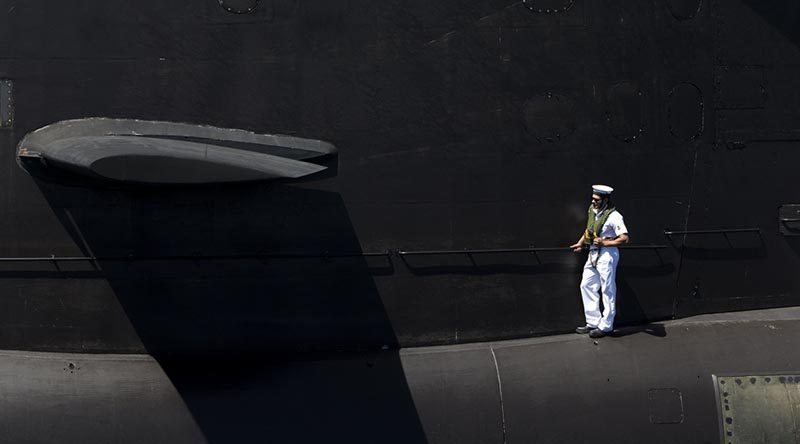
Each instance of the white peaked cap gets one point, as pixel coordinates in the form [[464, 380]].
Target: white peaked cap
[[602, 189]]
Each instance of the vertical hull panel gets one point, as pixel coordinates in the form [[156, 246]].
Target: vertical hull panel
[[475, 125]]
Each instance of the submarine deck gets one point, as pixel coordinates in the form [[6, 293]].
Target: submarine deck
[[525, 390]]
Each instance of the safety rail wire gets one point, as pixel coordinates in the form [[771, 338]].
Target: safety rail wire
[[668, 232], [515, 250], [54, 258], [387, 253]]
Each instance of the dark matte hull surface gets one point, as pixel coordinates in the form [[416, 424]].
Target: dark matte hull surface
[[190, 311], [217, 312], [460, 125], [559, 389]]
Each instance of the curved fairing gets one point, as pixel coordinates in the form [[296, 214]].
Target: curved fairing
[[163, 152]]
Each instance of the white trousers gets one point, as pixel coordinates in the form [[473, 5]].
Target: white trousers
[[599, 275]]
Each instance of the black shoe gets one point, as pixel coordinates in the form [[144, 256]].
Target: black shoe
[[583, 330], [597, 333]]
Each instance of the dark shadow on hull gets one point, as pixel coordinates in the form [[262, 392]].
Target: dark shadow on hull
[[310, 302], [629, 307], [323, 399], [656, 330], [216, 322], [44, 172], [794, 244], [782, 14]]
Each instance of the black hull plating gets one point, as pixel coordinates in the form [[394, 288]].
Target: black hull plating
[[459, 126], [532, 390]]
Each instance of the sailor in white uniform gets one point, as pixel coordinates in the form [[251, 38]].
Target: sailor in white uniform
[[605, 230]]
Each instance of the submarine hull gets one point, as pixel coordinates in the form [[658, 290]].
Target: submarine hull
[[411, 284], [460, 129], [660, 383]]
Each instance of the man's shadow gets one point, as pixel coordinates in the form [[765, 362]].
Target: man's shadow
[[646, 275], [652, 329]]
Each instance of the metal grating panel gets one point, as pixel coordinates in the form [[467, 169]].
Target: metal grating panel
[[6, 103], [758, 409]]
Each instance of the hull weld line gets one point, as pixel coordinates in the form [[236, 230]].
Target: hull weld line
[[500, 389]]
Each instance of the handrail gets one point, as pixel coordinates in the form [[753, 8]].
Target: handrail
[[510, 250], [479, 251], [323, 255], [643, 247], [47, 259], [668, 232]]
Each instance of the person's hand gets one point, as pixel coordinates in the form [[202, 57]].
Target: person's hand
[[599, 241], [576, 247]]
